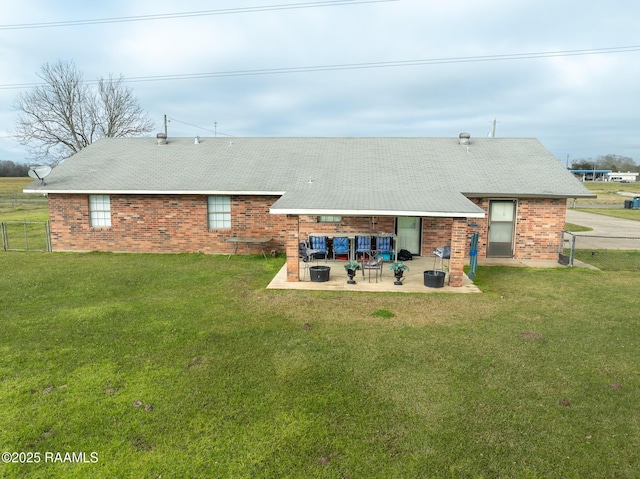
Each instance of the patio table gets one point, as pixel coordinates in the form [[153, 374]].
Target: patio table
[[236, 240]]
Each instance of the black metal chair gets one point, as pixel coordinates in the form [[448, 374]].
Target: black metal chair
[[373, 264]]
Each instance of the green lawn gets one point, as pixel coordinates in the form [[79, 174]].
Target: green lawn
[[625, 214], [185, 366], [608, 193], [18, 206]]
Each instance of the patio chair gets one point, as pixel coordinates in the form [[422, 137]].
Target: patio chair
[[363, 246], [307, 255], [384, 247], [374, 264], [319, 244], [340, 247], [442, 252]]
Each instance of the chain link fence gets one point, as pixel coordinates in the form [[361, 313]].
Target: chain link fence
[[608, 253], [25, 236]]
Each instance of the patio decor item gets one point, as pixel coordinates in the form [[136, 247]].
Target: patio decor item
[[319, 274], [398, 268], [434, 278], [352, 266]]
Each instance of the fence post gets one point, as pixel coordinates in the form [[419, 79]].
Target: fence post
[[26, 237], [573, 249], [4, 236], [47, 232]]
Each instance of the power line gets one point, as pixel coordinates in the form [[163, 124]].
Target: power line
[[358, 66], [216, 132], [201, 13]]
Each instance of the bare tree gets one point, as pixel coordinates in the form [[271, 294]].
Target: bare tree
[[66, 114], [117, 111]]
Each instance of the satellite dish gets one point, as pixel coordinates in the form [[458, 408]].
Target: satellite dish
[[39, 172]]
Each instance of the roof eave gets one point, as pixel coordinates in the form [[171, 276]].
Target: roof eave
[[527, 195], [152, 192], [364, 212]]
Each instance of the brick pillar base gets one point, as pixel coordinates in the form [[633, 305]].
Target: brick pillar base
[[293, 262], [458, 250]]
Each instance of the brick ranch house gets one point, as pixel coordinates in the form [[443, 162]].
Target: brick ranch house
[[191, 195]]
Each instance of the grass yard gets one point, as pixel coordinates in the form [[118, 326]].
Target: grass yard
[[608, 193], [17, 206], [609, 259], [185, 366], [625, 214]]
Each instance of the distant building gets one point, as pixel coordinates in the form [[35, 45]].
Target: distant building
[[627, 177], [591, 175]]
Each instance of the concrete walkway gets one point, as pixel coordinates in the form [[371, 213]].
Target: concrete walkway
[[603, 225]]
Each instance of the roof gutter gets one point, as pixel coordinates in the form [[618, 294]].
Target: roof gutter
[[152, 192], [347, 212]]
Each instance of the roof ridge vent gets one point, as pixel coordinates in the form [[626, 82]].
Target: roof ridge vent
[[464, 138], [162, 138]]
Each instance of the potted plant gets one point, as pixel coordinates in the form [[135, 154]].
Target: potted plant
[[352, 266], [398, 268]]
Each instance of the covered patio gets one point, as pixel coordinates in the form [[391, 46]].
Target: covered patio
[[413, 281]]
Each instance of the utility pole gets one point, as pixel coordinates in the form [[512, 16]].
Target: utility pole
[[492, 133]]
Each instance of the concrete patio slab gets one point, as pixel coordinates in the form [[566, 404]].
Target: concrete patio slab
[[413, 281]]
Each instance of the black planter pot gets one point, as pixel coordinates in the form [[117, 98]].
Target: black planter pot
[[319, 274], [434, 279], [398, 275], [351, 273]]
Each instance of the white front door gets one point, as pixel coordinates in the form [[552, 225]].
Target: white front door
[[408, 234]]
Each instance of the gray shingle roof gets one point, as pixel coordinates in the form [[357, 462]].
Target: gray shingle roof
[[430, 176]]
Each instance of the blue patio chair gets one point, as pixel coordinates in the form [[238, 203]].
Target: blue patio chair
[[384, 247], [340, 246], [363, 246], [319, 244]]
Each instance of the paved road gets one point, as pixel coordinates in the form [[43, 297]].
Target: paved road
[[607, 227]]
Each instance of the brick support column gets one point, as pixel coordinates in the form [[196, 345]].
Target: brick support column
[[458, 251], [292, 239]]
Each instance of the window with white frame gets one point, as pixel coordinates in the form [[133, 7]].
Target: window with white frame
[[100, 211], [219, 212], [329, 219]]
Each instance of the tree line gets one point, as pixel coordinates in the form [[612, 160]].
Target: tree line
[[9, 168], [606, 162]]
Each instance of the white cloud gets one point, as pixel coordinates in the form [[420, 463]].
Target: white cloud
[[577, 105]]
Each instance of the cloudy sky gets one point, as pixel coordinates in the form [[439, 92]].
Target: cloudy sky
[[565, 71]]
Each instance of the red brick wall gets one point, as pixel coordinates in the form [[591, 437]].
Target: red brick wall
[[162, 224], [348, 225], [178, 223], [539, 226], [539, 239]]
